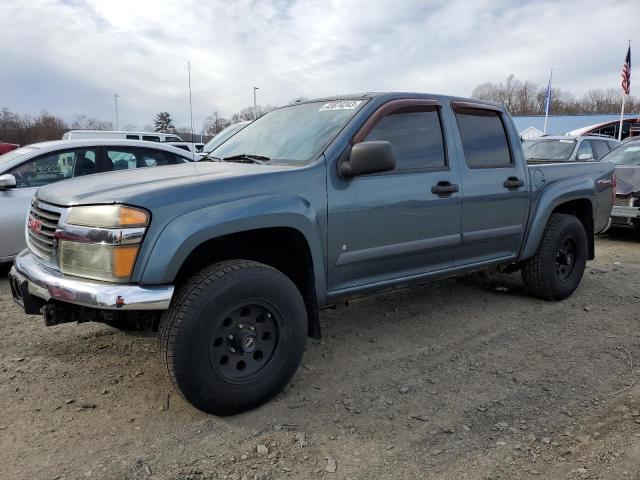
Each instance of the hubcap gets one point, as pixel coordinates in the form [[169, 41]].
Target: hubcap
[[244, 342], [566, 257]]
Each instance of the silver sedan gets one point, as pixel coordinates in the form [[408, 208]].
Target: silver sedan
[[24, 170]]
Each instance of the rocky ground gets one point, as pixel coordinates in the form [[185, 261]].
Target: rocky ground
[[465, 379]]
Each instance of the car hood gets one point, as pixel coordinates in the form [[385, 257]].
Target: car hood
[[126, 185], [628, 179]]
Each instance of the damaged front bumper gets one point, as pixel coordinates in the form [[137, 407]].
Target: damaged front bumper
[[35, 285]]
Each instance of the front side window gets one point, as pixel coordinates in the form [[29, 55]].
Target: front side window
[[54, 167], [133, 137], [123, 158], [416, 136], [484, 139], [584, 150], [293, 134]]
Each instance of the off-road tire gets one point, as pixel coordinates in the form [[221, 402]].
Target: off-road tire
[[542, 273], [190, 338]]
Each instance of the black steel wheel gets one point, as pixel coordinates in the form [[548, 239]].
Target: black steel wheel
[[245, 341], [566, 256], [556, 269], [233, 336]]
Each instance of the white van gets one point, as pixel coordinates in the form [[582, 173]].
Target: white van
[[95, 134]]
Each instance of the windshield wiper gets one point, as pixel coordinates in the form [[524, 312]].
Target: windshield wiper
[[210, 158], [247, 158]]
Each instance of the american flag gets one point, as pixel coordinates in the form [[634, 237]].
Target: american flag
[[626, 74]]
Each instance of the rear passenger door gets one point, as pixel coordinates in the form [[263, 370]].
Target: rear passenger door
[[495, 181]]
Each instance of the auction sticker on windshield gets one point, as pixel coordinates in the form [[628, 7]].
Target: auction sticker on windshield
[[340, 105]]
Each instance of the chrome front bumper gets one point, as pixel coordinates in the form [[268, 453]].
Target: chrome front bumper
[[30, 278], [628, 212]]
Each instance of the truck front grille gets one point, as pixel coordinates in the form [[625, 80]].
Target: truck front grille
[[41, 228]]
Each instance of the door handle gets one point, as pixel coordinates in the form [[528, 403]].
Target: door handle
[[444, 189], [513, 182]]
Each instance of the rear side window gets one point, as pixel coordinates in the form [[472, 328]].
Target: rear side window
[[133, 137], [600, 147], [151, 138], [172, 139], [484, 139], [416, 136]]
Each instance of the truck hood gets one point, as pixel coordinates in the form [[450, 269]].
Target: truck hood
[[628, 178], [125, 185]]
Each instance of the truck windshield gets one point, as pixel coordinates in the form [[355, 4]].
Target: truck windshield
[[222, 136], [558, 149], [625, 154], [293, 134]]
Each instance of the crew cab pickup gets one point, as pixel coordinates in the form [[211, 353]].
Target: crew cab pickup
[[230, 259]]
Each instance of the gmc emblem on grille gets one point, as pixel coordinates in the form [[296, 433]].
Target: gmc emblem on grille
[[35, 224]]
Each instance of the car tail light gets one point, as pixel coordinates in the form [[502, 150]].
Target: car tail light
[[614, 185]]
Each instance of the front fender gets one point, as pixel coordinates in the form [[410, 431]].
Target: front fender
[[549, 199], [184, 233]]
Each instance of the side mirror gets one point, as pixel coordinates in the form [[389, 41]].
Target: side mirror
[[583, 157], [369, 157], [7, 181]]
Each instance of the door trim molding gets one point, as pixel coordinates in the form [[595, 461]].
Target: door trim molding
[[398, 249], [480, 235]]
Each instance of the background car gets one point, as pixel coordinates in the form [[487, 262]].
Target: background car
[[567, 148], [24, 170], [626, 205], [7, 147], [222, 136], [123, 135]]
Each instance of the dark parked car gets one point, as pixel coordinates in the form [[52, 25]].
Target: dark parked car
[[626, 207]]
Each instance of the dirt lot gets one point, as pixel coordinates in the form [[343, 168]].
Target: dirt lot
[[464, 379]]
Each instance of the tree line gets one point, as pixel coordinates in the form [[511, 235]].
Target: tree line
[[524, 97], [521, 97]]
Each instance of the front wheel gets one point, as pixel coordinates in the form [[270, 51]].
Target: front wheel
[[556, 269], [234, 336]]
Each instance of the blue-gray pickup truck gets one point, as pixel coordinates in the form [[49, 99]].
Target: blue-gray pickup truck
[[231, 258]]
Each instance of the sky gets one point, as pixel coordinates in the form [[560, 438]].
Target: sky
[[70, 57]]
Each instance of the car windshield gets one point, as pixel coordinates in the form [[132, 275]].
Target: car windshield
[[13, 154], [222, 136], [293, 134], [550, 149], [625, 154]]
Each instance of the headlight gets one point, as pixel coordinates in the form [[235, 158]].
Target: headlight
[[108, 216], [102, 242]]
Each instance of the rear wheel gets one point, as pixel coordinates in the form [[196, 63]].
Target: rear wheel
[[234, 336], [556, 269]]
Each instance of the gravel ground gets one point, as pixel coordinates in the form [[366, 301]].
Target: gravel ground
[[464, 379]]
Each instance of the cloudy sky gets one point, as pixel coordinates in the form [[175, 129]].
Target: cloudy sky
[[70, 56]]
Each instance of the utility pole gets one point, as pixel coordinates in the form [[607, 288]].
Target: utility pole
[[115, 99], [190, 105], [255, 108]]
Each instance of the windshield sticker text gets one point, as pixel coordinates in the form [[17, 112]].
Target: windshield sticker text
[[341, 105]]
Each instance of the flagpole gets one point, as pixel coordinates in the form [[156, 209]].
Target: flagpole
[[625, 89], [624, 96], [547, 106]]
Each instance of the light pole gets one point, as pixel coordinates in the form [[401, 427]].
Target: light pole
[[255, 109], [115, 99]]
